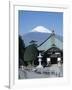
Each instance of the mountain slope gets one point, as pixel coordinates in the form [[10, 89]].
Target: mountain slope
[[37, 36]]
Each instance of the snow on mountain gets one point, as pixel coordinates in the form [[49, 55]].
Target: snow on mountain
[[41, 29]]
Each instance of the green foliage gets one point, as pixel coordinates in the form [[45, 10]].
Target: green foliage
[[21, 51], [31, 54]]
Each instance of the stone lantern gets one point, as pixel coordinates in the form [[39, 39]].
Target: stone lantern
[[39, 60]]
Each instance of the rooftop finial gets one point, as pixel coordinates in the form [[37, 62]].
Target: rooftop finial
[[53, 30]]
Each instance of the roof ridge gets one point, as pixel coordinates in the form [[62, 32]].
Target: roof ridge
[[45, 40]]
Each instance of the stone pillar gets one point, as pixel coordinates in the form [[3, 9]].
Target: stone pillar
[[48, 61], [59, 73], [22, 67], [39, 61], [59, 61]]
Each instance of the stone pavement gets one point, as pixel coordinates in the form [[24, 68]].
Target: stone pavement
[[47, 72]]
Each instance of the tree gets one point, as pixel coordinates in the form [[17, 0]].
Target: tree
[[21, 51], [31, 54]]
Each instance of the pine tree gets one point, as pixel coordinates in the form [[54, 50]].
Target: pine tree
[[31, 54], [21, 51]]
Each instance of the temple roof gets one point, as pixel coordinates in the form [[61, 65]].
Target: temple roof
[[50, 41]]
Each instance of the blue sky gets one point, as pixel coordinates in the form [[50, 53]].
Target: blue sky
[[31, 19]]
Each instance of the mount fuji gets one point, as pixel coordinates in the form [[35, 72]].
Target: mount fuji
[[41, 29], [39, 34]]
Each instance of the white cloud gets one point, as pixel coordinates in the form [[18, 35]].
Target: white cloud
[[41, 29]]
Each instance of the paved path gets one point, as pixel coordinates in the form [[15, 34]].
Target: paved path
[[53, 71]]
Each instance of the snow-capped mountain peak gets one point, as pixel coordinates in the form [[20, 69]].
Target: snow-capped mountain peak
[[41, 29]]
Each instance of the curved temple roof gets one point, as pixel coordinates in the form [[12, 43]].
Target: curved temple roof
[[50, 41]]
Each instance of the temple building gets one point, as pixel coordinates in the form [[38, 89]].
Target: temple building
[[51, 48]]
